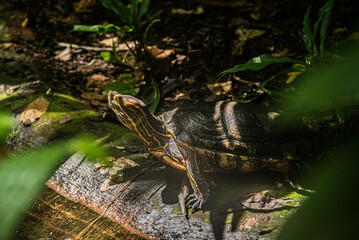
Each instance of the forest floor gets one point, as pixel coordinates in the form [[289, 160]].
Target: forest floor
[[192, 44], [194, 41]]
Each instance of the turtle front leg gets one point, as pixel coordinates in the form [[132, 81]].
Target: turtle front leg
[[198, 183]]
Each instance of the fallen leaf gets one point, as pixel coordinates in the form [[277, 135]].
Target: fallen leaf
[[220, 88], [249, 222], [97, 80], [243, 35], [109, 41], [34, 111], [264, 201], [84, 5], [181, 11], [65, 55], [160, 53], [179, 96], [123, 162]]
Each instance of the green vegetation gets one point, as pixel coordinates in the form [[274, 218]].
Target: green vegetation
[[22, 176], [132, 17], [310, 37]]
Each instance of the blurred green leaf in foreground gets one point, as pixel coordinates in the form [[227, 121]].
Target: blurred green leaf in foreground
[[23, 176], [332, 212]]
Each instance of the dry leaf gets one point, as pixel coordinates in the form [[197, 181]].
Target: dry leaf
[[264, 201], [123, 162], [160, 53], [65, 55], [243, 35], [34, 111], [109, 41], [84, 5], [97, 80], [179, 96], [249, 223], [221, 88], [182, 11]]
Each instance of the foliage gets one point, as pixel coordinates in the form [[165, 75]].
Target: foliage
[[331, 212], [299, 67], [125, 85], [132, 17], [22, 176]]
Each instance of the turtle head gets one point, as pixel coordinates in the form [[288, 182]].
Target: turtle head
[[134, 115], [128, 109]]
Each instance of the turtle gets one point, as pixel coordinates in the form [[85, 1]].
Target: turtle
[[222, 136]]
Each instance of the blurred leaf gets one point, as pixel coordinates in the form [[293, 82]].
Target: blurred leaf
[[331, 213], [87, 145], [22, 177], [258, 63], [334, 84], [5, 126]]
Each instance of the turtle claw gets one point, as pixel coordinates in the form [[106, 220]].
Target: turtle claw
[[195, 202]]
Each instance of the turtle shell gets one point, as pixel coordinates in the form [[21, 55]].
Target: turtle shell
[[231, 127]]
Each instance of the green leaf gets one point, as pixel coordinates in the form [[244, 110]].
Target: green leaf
[[121, 11], [106, 56], [257, 63], [307, 33], [100, 28], [148, 28], [136, 21], [129, 79], [23, 176], [112, 58], [125, 85], [143, 8], [331, 212], [322, 11], [86, 28], [5, 126], [332, 85], [151, 97]]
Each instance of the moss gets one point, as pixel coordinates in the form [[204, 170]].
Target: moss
[[294, 196], [229, 218], [3, 96], [177, 210], [16, 103]]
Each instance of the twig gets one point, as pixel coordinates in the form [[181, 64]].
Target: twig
[[90, 48], [118, 194], [298, 187]]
